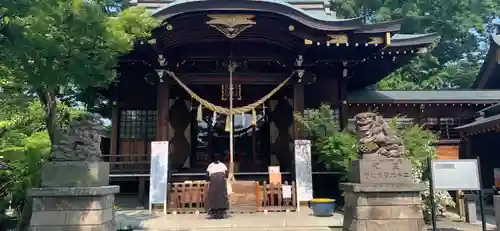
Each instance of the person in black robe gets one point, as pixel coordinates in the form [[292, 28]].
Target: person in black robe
[[217, 202]]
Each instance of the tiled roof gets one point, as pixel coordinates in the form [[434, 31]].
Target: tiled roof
[[489, 70], [464, 96], [479, 121], [321, 10]]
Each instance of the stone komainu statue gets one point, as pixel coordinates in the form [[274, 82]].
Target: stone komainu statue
[[376, 138], [82, 141]]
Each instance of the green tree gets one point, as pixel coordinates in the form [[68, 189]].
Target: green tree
[[419, 146], [59, 46], [50, 50], [24, 146], [455, 59], [338, 148]]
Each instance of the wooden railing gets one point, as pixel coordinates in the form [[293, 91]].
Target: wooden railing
[[128, 163], [189, 197], [272, 198]]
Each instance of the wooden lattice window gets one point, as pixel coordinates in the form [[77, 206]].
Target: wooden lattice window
[[137, 124]]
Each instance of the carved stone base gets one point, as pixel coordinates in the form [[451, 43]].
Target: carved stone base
[[496, 201], [385, 170], [383, 207], [75, 174], [73, 209]]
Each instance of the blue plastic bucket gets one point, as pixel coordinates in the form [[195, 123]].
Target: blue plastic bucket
[[322, 207]]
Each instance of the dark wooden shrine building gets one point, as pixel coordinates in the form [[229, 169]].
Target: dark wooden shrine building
[[269, 40], [481, 135], [298, 48]]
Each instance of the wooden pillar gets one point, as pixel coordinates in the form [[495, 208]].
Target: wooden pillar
[[468, 147], [211, 143], [254, 146], [420, 111], [162, 116], [298, 106], [343, 107], [162, 108], [115, 124], [298, 129]]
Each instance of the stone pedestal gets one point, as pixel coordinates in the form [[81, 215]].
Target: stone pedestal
[[75, 174], [75, 197], [471, 208], [382, 197], [496, 201]]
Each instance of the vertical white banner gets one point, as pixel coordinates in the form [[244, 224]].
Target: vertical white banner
[[158, 176], [303, 170]]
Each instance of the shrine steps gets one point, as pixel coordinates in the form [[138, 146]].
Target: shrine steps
[[254, 229], [292, 221]]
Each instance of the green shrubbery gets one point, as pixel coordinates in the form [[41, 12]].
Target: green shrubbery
[[336, 149], [24, 146]]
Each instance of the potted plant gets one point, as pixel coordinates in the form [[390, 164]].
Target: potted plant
[[322, 207]]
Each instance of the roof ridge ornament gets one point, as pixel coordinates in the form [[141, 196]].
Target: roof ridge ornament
[[328, 5], [231, 25]]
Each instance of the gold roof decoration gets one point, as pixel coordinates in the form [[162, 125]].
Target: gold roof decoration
[[231, 25]]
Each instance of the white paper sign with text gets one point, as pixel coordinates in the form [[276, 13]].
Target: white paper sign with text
[[158, 174], [287, 191], [455, 174], [303, 170]]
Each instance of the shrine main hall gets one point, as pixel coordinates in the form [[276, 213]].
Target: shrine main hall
[[282, 57]]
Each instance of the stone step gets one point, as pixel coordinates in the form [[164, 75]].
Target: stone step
[[251, 229], [292, 221]]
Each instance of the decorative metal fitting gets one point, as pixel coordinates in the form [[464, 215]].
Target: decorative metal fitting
[[299, 61]]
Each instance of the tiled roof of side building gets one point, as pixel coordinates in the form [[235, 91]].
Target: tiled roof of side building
[[490, 69], [444, 96], [480, 122]]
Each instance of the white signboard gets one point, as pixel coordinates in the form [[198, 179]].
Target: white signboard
[[287, 191], [303, 170], [158, 180], [455, 174]]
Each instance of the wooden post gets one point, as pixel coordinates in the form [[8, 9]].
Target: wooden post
[[343, 107], [298, 129], [210, 143], [162, 120], [254, 146], [298, 107], [162, 116], [115, 123], [419, 119]]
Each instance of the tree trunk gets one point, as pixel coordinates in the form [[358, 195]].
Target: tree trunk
[[47, 97], [24, 220]]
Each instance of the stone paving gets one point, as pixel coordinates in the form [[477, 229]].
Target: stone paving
[[449, 225], [136, 217], [257, 221], [141, 220]]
